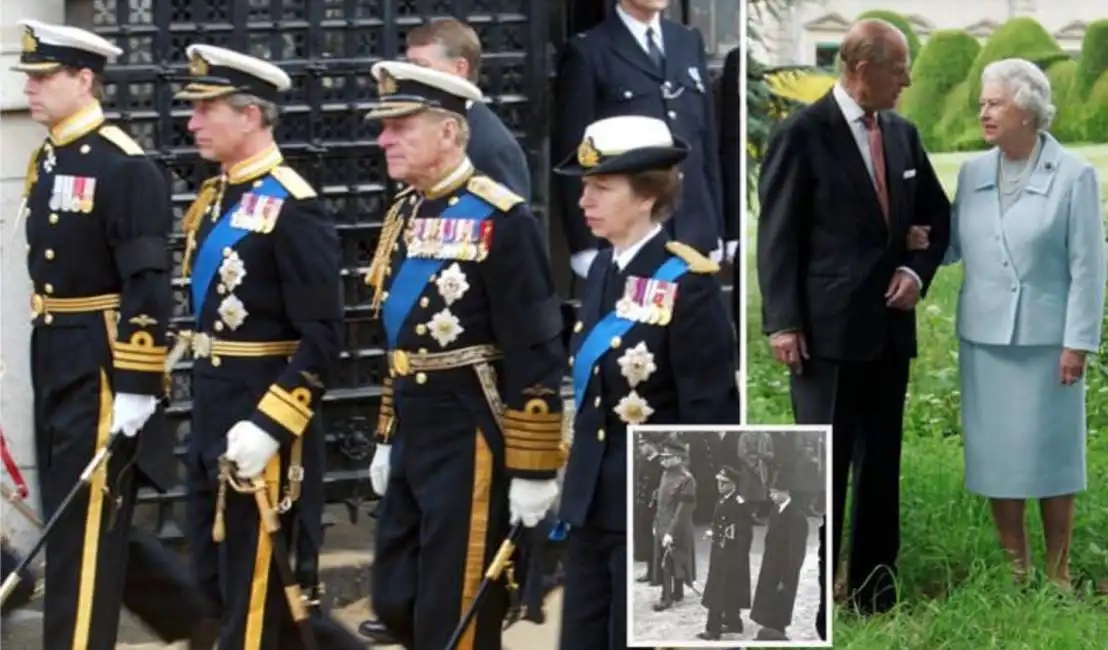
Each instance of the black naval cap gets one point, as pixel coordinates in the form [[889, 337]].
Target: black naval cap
[[674, 447], [216, 72], [47, 47], [626, 144], [727, 473], [405, 88]]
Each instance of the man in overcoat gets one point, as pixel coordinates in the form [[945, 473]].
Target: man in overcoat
[[674, 535], [786, 544]]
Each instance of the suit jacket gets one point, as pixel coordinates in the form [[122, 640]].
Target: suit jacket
[[495, 152], [730, 147], [605, 73], [689, 379], [825, 252], [1034, 275]]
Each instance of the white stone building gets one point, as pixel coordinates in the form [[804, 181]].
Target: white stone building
[[810, 33]]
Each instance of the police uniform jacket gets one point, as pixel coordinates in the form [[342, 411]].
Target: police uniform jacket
[[263, 260], [677, 367], [496, 152], [97, 216], [604, 73], [470, 313]]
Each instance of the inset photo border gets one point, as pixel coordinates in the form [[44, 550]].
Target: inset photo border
[[723, 535]]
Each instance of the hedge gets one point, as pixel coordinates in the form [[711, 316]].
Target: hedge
[[1096, 118], [1069, 119], [1019, 37], [943, 63], [1094, 56], [900, 22]]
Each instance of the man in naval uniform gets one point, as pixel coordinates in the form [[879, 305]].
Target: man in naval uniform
[[262, 256], [470, 426], [97, 215]]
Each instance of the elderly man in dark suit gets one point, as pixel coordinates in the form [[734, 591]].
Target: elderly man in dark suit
[[636, 63], [453, 47], [842, 182]]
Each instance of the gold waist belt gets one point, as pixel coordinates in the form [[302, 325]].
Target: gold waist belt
[[205, 345], [403, 363], [45, 304]]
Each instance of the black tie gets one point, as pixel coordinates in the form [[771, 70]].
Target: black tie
[[652, 49], [613, 286]]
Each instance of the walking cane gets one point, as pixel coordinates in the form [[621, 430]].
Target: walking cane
[[500, 563], [94, 465], [272, 525]]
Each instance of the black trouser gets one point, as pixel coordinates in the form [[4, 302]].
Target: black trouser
[[443, 516], [864, 402], [673, 587], [717, 619], [96, 563], [594, 601]]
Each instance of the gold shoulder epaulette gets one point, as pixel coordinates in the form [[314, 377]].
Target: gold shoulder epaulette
[[495, 193], [119, 138], [293, 182], [697, 262]]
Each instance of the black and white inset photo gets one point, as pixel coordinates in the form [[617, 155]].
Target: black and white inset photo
[[723, 526]]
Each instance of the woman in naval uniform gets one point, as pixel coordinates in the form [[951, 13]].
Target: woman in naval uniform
[[654, 345]]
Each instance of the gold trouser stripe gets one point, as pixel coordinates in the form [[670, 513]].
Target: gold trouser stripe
[[86, 587], [263, 562], [80, 305], [478, 532]]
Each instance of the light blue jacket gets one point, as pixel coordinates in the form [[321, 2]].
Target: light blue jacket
[[1036, 275]]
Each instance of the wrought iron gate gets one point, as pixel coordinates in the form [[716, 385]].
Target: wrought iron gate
[[326, 46]]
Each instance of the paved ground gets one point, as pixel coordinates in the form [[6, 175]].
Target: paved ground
[[686, 619]]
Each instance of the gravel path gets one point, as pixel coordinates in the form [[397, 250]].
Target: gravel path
[[686, 619]]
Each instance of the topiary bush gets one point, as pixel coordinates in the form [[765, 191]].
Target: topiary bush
[[1021, 37], [1069, 120], [943, 63], [900, 22], [1096, 116], [1094, 57], [958, 130]]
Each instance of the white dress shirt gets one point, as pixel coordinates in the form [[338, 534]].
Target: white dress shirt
[[623, 257]]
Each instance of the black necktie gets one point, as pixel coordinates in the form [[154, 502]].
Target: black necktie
[[652, 49], [613, 286]]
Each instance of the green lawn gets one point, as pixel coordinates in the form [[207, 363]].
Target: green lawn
[[956, 593]]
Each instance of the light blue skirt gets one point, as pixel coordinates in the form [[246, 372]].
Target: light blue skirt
[[1024, 432]]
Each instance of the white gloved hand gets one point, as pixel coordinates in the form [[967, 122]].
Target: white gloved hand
[[732, 248], [582, 262], [250, 448], [379, 469], [130, 412], [530, 499], [717, 253], [667, 540]]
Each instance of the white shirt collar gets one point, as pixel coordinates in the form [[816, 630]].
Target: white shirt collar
[[624, 257], [638, 29], [781, 508], [850, 108]]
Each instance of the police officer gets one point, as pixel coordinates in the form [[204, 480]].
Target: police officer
[[654, 345], [470, 426], [636, 63], [97, 214], [262, 257]]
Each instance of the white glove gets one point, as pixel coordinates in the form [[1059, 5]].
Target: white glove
[[667, 540], [581, 262], [250, 448], [529, 499], [379, 469], [130, 412], [717, 253], [732, 248]]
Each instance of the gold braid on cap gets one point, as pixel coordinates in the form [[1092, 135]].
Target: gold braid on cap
[[587, 154]]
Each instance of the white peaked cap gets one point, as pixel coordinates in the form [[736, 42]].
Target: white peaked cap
[[404, 88], [46, 46], [616, 135], [218, 72]]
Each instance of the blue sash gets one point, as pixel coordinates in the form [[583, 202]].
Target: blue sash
[[416, 272], [210, 254], [599, 339]]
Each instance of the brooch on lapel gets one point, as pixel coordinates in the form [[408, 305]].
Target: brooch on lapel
[[468, 240], [646, 300]]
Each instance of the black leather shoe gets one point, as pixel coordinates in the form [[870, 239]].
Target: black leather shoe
[[376, 631], [205, 635]]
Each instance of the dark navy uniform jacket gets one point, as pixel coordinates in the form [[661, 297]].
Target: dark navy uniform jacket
[[496, 152], [97, 216], [266, 271], [676, 372], [461, 266], [604, 73]]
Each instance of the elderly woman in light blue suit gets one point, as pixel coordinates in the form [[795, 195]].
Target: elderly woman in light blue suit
[[1027, 228]]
